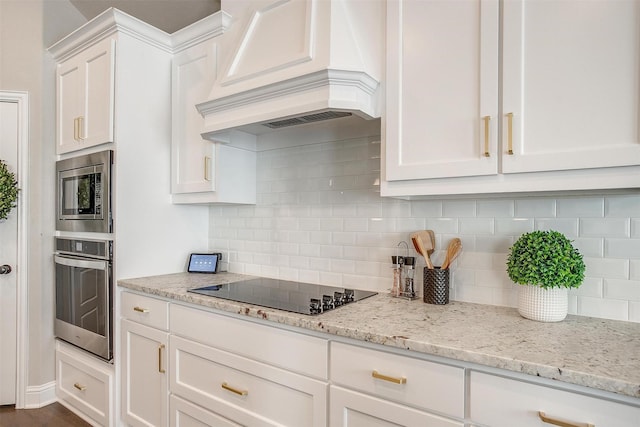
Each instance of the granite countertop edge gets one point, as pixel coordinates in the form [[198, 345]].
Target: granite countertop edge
[[520, 345]]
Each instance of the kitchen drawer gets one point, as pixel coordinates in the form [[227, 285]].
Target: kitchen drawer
[[186, 414], [497, 401], [352, 409], [431, 386], [243, 390], [149, 311], [289, 350], [84, 383]]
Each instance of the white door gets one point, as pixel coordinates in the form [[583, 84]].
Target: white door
[[442, 89], [8, 257], [571, 84]]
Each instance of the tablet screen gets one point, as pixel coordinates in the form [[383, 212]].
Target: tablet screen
[[203, 263]]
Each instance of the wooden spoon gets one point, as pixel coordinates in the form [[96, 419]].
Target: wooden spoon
[[422, 247], [432, 237], [453, 250]]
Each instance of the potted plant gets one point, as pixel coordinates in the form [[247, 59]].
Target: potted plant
[[546, 264], [8, 191]]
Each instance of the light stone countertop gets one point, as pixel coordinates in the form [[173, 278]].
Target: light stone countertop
[[598, 353]]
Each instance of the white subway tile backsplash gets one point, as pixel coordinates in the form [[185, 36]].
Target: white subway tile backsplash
[[608, 227], [574, 207], [622, 289], [459, 208], [319, 218], [495, 208], [476, 225], [626, 206], [535, 207], [567, 226], [606, 308], [622, 248], [513, 226]]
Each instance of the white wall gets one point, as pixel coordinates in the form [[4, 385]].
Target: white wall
[[25, 66], [319, 218]]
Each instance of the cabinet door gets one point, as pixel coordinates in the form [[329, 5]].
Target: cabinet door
[[572, 82], [85, 98], [186, 414], [99, 85], [352, 409], [144, 377], [504, 402], [192, 157], [442, 89]]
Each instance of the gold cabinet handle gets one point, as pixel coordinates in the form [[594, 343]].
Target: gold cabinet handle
[[395, 380], [80, 386], [75, 129], [207, 168], [234, 390], [487, 120], [81, 128], [510, 134], [160, 368], [557, 422], [140, 309]]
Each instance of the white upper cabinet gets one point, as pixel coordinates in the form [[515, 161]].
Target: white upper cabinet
[[544, 97], [85, 98], [571, 80], [221, 170], [193, 72], [442, 89]]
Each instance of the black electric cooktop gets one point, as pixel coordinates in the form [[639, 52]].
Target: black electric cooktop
[[303, 298]]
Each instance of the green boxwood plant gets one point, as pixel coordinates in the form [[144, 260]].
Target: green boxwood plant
[[546, 259], [8, 191]]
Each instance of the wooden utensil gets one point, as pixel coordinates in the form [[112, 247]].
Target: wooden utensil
[[432, 237], [453, 250], [422, 247]]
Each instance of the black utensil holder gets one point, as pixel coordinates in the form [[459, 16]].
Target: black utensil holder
[[436, 286]]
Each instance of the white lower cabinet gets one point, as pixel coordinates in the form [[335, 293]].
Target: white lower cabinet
[[352, 409], [376, 388], [144, 351], [245, 391], [504, 402], [144, 364], [85, 384], [186, 414]]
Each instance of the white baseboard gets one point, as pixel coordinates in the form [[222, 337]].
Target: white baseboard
[[39, 396]]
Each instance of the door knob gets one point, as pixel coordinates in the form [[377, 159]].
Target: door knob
[[5, 269]]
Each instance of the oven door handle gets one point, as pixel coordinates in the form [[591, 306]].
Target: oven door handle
[[81, 263]]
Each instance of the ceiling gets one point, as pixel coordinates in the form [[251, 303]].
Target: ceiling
[[167, 15]]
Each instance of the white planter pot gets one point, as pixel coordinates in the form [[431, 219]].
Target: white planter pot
[[543, 305]]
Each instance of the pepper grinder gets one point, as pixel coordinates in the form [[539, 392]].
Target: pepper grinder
[[408, 290]]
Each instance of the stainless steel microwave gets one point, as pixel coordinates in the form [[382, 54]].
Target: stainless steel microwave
[[83, 193]]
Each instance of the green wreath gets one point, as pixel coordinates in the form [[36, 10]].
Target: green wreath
[[8, 191]]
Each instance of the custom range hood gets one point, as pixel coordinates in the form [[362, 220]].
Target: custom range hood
[[290, 62]]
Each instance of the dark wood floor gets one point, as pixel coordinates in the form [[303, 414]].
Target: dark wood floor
[[54, 415]]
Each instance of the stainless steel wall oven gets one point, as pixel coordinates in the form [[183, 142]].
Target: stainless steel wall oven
[[84, 294], [83, 193]]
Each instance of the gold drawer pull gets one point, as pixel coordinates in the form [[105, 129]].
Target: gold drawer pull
[[80, 387], [234, 390], [510, 134], [395, 380], [486, 119], [141, 310], [160, 368], [557, 422]]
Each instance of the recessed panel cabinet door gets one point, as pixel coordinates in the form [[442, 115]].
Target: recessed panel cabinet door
[[571, 85], [85, 98], [193, 73], [442, 89]]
